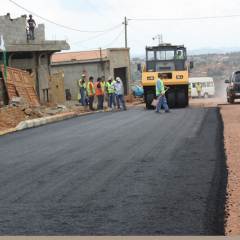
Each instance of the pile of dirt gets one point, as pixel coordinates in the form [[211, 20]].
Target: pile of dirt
[[13, 114], [11, 117]]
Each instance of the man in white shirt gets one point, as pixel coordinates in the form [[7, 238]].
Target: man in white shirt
[[118, 85]]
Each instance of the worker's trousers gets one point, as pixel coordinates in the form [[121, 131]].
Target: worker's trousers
[[121, 97], [82, 92], [31, 33], [111, 100], [91, 103], [162, 101], [199, 94], [99, 106]]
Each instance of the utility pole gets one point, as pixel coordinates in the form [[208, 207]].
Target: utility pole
[[125, 23], [101, 59]]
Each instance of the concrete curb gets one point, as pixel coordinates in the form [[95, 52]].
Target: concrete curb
[[50, 119]]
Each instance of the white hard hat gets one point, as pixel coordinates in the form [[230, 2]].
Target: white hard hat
[[83, 75], [110, 78], [118, 79]]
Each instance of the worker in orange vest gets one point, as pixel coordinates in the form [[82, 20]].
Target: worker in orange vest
[[99, 93]]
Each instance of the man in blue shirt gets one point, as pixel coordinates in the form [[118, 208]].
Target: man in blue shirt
[[160, 93]]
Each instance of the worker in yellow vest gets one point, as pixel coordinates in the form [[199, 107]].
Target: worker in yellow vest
[[178, 55], [160, 93], [199, 89], [103, 86], [111, 93], [189, 90], [82, 88]]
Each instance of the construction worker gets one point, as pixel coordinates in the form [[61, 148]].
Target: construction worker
[[199, 89], [83, 88], [118, 85], [189, 91], [103, 85], [99, 93], [91, 93], [178, 56], [160, 93], [111, 93]]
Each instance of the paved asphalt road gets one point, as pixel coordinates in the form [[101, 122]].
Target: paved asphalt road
[[116, 173]]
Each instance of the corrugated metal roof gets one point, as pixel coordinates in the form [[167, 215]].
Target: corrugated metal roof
[[78, 56]]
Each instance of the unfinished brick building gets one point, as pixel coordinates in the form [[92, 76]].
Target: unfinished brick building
[[33, 56]]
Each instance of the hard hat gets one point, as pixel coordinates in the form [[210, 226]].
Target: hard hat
[[110, 78], [83, 75], [118, 79]]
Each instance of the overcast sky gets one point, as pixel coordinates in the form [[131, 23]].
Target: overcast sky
[[99, 15]]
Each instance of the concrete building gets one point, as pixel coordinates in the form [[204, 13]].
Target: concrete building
[[30, 55], [113, 62]]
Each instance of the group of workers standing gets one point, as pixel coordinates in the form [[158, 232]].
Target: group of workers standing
[[113, 89]]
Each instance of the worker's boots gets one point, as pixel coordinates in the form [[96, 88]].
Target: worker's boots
[[167, 111]]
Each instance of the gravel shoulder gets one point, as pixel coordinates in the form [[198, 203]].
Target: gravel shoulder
[[231, 119]]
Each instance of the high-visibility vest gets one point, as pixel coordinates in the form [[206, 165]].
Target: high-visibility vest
[[82, 84], [162, 87], [189, 88], [103, 84], [98, 90], [178, 56], [199, 87], [110, 90], [89, 90]]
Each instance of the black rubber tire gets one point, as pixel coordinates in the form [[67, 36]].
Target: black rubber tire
[[171, 100], [150, 97], [231, 99], [181, 99]]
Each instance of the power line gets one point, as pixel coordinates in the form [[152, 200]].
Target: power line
[[121, 18], [93, 37], [98, 11], [115, 39], [177, 19], [62, 25], [112, 9], [101, 47], [137, 22]]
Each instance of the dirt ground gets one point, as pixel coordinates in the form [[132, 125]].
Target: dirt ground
[[231, 120]]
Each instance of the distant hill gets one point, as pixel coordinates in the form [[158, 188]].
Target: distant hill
[[205, 50], [213, 50]]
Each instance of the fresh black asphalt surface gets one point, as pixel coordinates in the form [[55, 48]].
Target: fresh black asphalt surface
[[129, 173]]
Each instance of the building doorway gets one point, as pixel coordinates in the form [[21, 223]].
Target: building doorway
[[122, 73]]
